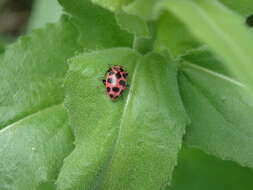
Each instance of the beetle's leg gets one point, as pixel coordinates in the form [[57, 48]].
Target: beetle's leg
[[109, 70]]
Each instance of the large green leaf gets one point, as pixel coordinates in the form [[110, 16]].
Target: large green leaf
[[32, 149], [32, 73], [35, 137], [172, 35], [197, 170], [222, 30], [122, 144], [221, 113]]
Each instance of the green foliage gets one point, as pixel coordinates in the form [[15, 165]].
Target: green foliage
[[224, 32], [44, 12], [133, 24], [189, 65], [244, 7], [33, 149], [197, 170], [221, 114], [32, 74], [142, 132], [172, 35], [32, 118]]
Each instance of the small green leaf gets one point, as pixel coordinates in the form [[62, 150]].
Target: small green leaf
[[221, 113], [244, 7], [222, 30], [97, 27], [122, 144], [197, 170], [143, 9], [172, 35], [132, 24], [43, 12]]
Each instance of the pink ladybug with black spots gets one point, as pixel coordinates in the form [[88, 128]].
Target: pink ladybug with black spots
[[115, 81]]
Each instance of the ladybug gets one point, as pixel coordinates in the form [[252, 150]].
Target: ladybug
[[115, 81]]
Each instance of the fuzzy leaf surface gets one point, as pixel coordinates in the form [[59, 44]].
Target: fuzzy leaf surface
[[133, 139], [32, 73], [97, 26], [221, 112], [34, 133]]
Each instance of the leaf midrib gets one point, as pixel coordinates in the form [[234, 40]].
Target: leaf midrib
[[27, 116], [123, 116], [214, 74]]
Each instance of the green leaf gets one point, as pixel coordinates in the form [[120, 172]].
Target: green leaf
[[172, 35], [213, 23], [244, 7], [35, 137], [197, 170], [112, 5], [97, 27], [32, 73], [204, 58], [143, 9], [132, 24], [221, 113], [122, 144], [28, 155], [43, 12]]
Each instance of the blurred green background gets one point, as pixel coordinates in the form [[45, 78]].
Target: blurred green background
[[19, 17], [195, 171]]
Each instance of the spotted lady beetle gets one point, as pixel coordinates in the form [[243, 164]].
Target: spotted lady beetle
[[115, 81]]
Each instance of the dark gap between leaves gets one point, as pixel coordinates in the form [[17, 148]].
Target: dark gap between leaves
[[249, 20]]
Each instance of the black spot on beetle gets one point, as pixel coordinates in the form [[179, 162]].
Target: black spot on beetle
[[109, 80], [115, 89], [111, 95], [118, 75], [125, 75], [108, 89], [122, 83]]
